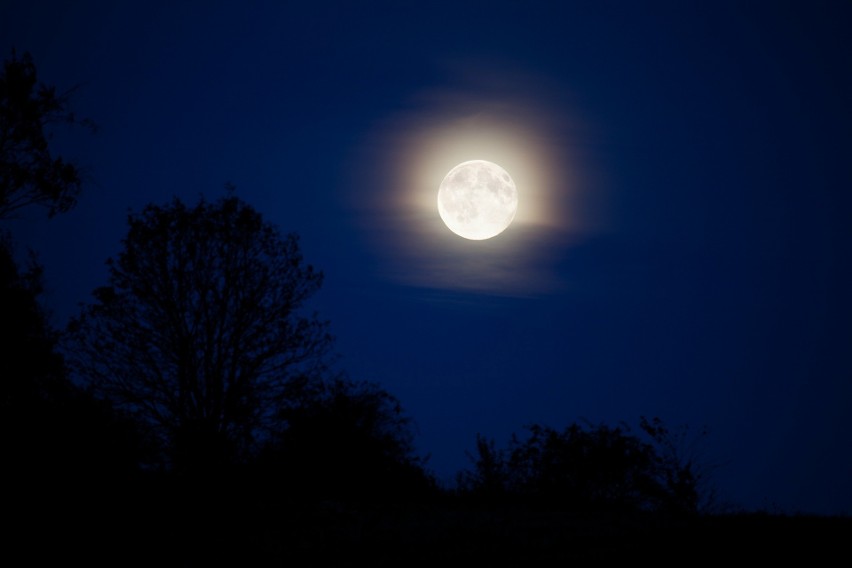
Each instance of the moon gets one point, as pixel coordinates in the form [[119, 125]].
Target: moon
[[477, 200]]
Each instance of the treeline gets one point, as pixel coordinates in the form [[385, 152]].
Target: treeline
[[322, 437]]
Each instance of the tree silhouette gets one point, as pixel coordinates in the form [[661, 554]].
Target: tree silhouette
[[54, 438], [24, 334], [29, 174], [199, 333], [30, 370]]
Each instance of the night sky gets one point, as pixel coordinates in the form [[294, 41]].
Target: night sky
[[682, 245]]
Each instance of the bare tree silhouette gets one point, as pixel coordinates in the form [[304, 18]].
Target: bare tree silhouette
[[199, 333]]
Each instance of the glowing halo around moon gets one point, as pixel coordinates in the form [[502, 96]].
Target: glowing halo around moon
[[509, 118], [477, 200]]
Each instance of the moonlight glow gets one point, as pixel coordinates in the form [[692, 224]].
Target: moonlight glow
[[477, 200], [509, 119]]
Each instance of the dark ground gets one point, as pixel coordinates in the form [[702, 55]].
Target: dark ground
[[201, 528]]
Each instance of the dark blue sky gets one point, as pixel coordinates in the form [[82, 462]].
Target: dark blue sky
[[684, 246]]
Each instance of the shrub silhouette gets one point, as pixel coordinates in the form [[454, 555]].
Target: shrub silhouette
[[581, 468], [682, 471], [348, 441]]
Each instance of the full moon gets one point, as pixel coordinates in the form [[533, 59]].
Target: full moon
[[477, 200]]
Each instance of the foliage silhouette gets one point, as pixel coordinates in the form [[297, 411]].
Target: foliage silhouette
[[29, 174], [54, 437], [199, 333], [351, 441], [25, 334], [489, 480], [583, 468], [683, 471]]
